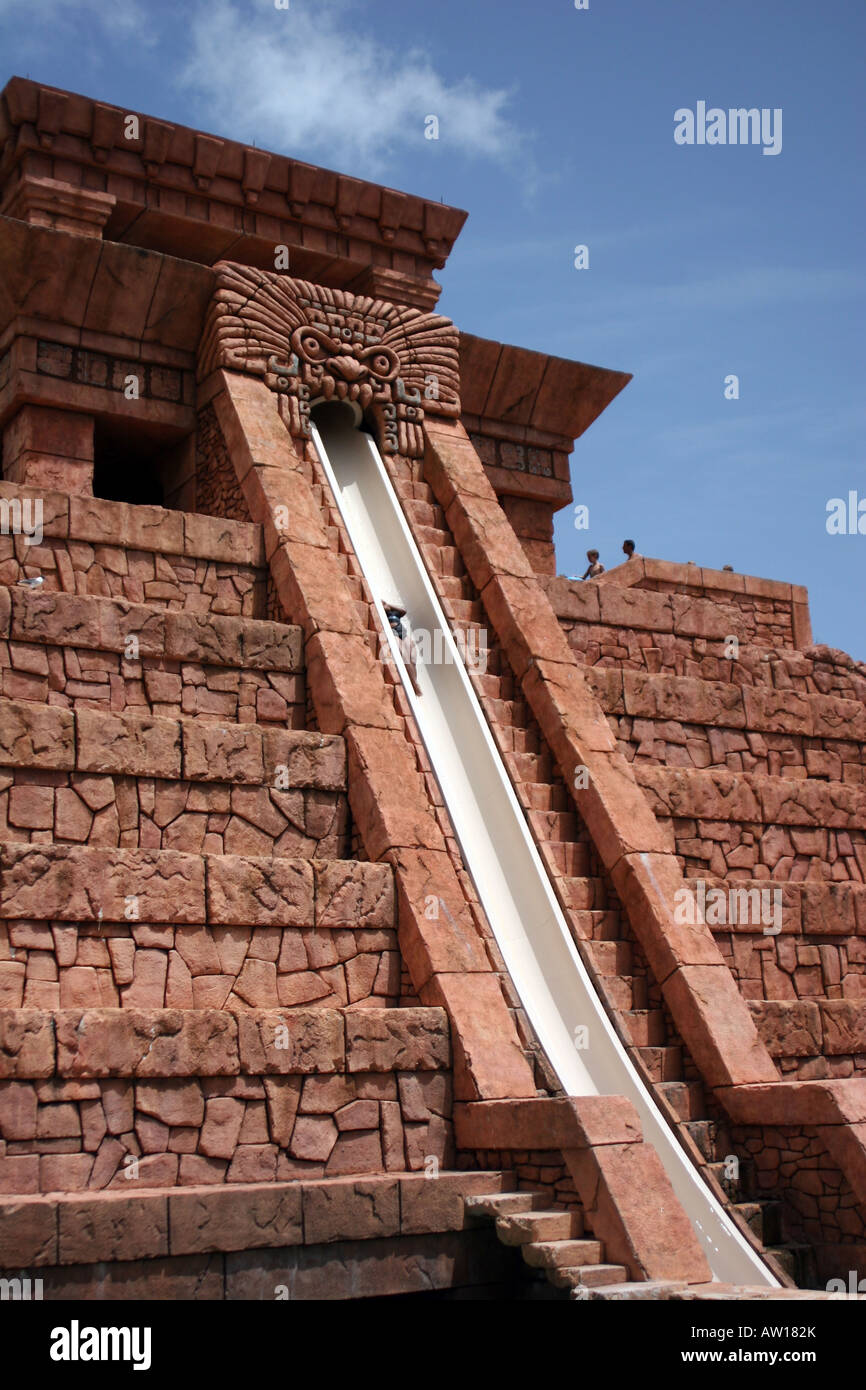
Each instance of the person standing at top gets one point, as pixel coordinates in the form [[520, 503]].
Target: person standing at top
[[593, 569], [628, 549]]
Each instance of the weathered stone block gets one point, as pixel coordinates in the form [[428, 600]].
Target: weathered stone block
[[151, 1043], [280, 1042], [397, 1039]]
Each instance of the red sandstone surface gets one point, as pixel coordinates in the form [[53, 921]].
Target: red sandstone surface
[[228, 1020]]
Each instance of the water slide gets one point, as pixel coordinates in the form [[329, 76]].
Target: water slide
[[509, 876]]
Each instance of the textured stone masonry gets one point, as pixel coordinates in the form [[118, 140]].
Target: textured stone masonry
[[231, 1029]]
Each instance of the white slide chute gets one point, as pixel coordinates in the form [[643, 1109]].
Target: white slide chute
[[500, 854]]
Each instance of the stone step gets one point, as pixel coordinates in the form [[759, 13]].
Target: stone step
[[569, 858], [764, 1220], [529, 767], [505, 1203], [556, 1254], [626, 992], [487, 660], [446, 561], [596, 924], [362, 608], [426, 513], [195, 817], [356, 589], [727, 705], [705, 1134], [138, 782], [662, 1063], [473, 640], [513, 739], [450, 586], [505, 686], [612, 957], [753, 798], [509, 713], [468, 613], [827, 909], [107, 624], [68, 965], [738, 1293], [646, 1027], [498, 686], [92, 652], [522, 1228], [201, 586], [555, 826], [482, 682], [413, 488], [579, 895], [740, 1188], [87, 1228], [545, 797], [205, 1097], [685, 1097], [587, 1276], [432, 537], [653, 1291]]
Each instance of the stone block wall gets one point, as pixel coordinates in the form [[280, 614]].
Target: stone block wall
[[753, 759], [171, 561], [131, 1098], [198, 984], [681, 626], [99, 653]]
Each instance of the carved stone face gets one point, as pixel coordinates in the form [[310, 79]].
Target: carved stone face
[[358, 370], [312, 342]]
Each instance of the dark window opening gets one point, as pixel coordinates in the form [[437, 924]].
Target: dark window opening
[[137, 464]]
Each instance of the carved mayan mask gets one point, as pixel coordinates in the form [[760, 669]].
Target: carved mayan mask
[[310, 342]]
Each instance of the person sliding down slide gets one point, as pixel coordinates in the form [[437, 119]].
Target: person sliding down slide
[[395, 616]]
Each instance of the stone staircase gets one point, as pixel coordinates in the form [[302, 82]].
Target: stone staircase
[[551, 1242], [555, 1249]]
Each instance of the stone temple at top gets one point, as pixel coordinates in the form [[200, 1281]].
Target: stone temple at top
[[382, 913]]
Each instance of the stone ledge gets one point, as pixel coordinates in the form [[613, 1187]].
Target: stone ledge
[[810, 907], [835, 1102], [811, 1027], [76, 1228], [133, 1043], [834, 1109], [145, 745], [724, 1293], [716, 795], [66, 883], [103, 624], [547, 1123], [644, 569], [98, 521], [691, 700]]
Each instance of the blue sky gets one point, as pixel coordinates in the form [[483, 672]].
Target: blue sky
[[556, 128]]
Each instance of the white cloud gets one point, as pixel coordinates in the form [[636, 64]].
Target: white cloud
[[311, 82], [118, 19]]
